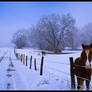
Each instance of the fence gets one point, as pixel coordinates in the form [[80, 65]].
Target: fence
[[72, 73], [24, 59]]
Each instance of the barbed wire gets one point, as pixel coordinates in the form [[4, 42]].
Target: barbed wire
[[79, 66], [83, 78], [58, 63]]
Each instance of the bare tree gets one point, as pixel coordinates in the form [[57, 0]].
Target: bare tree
[[54, 32], [47, 31], [19, 39], [69, 30], [86, 34]]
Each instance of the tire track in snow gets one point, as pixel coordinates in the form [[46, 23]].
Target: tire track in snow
[[19, 81], [3, 71]]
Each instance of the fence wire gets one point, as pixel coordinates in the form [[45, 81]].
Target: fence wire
[[62, 71]]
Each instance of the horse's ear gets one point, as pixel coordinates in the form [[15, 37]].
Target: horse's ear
[[82, 45], [91, 45]]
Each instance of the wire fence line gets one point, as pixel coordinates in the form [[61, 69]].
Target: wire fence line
[[67, 80], [59, 71], [79, 66], [68, 74], [63, 71], [83, 78], [58, 63]]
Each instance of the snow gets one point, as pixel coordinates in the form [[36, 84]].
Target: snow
[[56, 70]]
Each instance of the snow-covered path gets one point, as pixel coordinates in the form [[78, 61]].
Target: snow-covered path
[[24, 76]]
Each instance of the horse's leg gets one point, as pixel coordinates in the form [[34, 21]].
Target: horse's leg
[[80, 85], [89, 79], [87, 84]]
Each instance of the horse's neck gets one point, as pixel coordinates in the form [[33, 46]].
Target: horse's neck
[[79, 61], [82, 61]]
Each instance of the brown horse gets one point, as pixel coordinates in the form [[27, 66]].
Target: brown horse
[[83, 67]]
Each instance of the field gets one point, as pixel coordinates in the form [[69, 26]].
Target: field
[[14, 75]]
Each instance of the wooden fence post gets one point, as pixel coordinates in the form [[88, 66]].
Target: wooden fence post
[[30, 62], [21, 57], [35, 64], [72, 73], [18, 56], [26, 60], [41, 69], [14, 51]]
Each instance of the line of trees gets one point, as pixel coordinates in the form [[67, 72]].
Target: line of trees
[[86, 34], [52, 32]]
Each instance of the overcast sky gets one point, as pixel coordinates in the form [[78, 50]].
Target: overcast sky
[[19, 15]]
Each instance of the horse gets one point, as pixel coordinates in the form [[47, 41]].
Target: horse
[[83, 67]]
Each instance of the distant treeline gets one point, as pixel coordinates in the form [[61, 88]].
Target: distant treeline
[[53, 32]]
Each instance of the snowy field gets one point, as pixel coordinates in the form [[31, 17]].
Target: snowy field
[[56, 70]]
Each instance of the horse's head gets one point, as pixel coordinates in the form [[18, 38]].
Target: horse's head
[[86, 55]]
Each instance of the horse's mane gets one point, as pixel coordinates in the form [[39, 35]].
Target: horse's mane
[[83, 57]]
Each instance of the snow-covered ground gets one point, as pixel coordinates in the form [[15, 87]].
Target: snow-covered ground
[[56, 71]]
